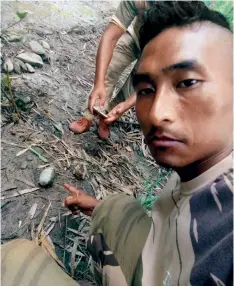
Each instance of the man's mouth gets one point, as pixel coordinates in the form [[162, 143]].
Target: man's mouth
[[162, 141]]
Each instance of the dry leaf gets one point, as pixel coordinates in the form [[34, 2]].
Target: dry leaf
[[44, 165], [18, 193], [9, 187], [47, 246], [32, 211], [40, 226], [50, 229], [22, 152], [73, 256]]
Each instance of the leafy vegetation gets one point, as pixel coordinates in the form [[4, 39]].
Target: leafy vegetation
[[225, 7]]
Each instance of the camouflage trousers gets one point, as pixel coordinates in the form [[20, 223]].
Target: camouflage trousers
[[119, 230], [120, 227], [23, 263], [125, 53]]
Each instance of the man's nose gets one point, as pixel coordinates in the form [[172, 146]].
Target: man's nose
[[164, 107]]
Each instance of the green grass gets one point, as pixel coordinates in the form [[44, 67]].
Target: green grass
[[224, 7], [150, 194]]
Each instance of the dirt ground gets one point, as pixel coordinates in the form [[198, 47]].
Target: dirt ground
[[58, 92]]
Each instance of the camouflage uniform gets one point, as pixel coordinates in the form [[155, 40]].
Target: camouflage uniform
[[188, 240]]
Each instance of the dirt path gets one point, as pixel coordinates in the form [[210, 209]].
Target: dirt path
[[58, 93]]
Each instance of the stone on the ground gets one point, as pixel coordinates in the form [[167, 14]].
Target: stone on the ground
[[24, 164], [43, 32], [31, 58], [30, 68], [12, 37], [21, 122], [46, 58], [22, 65], [26, 99], [44, 44], [36, 47], [29, 157], [17, 67], [48, 32], [8, 65], [78, 30], [47, 177], [80, 172]]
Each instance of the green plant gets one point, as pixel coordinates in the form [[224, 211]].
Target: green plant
[[225, 7], [21, 16], [148, 198], [6, 83]]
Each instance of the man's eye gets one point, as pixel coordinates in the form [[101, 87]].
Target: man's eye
[[187, 83], [145, 92]]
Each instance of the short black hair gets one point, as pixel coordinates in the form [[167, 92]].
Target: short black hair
[[166, 14]]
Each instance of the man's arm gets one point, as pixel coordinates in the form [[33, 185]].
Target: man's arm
[[123, 17], [105, 51], [104, 55]]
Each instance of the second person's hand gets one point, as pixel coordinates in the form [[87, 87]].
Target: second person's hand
[[115, 113], [97, 97]]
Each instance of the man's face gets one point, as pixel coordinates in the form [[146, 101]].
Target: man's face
[[184, 94]]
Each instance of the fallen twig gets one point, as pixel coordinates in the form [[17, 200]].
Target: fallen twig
[[45, 234], [6, 105], [40, 226], [32, 211], [9, 187], [12, 144], [45, 243], [26, 182], [21, 192]]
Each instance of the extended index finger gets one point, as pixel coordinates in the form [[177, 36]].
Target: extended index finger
[[74, 191]]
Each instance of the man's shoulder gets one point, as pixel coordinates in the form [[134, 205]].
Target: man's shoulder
[[211, 228], [215, 197], [134, 7]]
